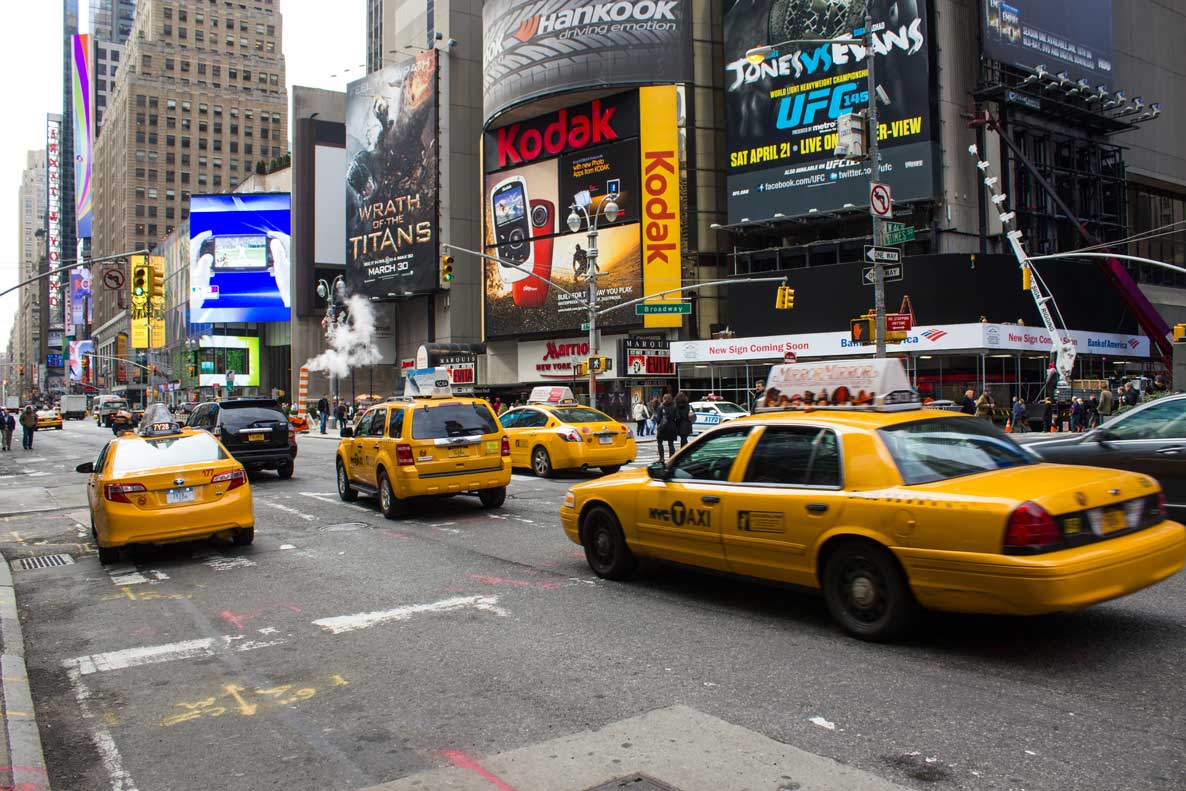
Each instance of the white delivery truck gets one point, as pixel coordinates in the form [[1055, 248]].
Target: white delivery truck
[[73, 407]]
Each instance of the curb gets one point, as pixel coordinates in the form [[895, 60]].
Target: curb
[[26, 758]]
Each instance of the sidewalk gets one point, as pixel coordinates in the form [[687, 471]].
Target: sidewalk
[[23, 763]]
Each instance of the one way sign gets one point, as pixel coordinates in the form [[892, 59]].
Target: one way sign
[[885, 255], [892, 272]]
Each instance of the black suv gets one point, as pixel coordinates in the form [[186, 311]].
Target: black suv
[[254, 430]]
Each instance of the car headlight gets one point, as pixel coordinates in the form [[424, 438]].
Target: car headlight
[[570, 500]]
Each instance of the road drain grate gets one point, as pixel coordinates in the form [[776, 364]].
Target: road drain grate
[[46, 561], [634, 782], [344, 527]]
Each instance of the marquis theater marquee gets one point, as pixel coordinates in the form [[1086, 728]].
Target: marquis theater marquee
[[566, 88]]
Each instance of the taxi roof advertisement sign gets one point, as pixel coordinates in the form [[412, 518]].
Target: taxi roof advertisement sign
[[781, 114], [534, 48], [880, 383], [1070, 35]]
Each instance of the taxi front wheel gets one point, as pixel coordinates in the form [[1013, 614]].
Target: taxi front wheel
[[541, 462], [345, 490], [867, 592], [606, 550]]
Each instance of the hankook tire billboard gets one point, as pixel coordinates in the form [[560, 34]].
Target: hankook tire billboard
[[533, 48], [781, 114]]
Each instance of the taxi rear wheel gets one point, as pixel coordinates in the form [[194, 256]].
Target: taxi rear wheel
[[867, 592], [606, 550], [611, 469], [243, 536], [541, 462], [493, 498], [345, 490], [389, 504], [107, 554]]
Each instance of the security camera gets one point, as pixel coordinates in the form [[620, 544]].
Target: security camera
[[882, 96], [451, 43], [439, 36]]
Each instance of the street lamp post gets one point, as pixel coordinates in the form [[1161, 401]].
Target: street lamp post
[[759, 54], [609, 210], [329, 291]]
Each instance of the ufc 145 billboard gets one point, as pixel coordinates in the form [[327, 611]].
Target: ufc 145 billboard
[[782, 113], [532, 48], [589, 156], [393, 180]]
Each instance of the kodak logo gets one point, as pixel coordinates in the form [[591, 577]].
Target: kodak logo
[[518, 144]]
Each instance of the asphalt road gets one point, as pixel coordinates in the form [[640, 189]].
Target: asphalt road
[[343, 651]]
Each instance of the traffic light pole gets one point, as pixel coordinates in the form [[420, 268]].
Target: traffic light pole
[[874, 176], [74, 264]]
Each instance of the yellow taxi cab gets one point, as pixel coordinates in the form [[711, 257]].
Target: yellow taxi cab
[[885, 508], [554, 432], [427, 443], [49, 418], [164, 484]]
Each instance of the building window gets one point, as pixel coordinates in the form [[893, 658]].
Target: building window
[[185, 65], [139, 210], [185, 123], [141, 100], [169, 64], [170, 104], [185, 142]]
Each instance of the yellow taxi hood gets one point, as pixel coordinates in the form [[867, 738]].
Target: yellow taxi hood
[[1059, 488], [625, 477]]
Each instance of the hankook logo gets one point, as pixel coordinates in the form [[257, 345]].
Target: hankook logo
[[623, 11]]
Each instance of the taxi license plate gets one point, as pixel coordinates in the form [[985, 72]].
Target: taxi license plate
[[458, 452], [185, 495], [1113, 521], [255, 437], [605, 439]]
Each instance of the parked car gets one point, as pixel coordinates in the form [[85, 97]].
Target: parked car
[[1150, 438], [254, 430], [710, 414]]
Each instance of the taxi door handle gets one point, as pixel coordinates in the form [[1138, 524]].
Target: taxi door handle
[[710, 499], [1173, 451], [817, 508], [375, 446]]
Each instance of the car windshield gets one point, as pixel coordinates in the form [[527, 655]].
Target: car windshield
[[935, 450], [727, 408], [114, 404], [453, 420], [135, 455], [237, 418], [580, 414]]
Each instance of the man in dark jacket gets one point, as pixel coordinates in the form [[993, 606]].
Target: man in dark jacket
[[323, 411], [28, 426], [7, 426], [683, 418], [1132, 396], [666, 420], [340, 416]]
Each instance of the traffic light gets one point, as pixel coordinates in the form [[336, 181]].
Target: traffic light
[[22, 370], [1027, 278], [1179, 336], [156, 279], [446, 278], [785, 300], [142, 280], [580, 369]]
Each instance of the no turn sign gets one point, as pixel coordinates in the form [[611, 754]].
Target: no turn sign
[[113, 279], [880, 203]]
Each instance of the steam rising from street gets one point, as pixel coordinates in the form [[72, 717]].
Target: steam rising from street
[[351, 342]]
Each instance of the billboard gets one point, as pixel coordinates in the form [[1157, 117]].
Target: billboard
[[782, 113], [78, 349], [532, 48], [535, 172], [1063, 35], [84, 132], [239, 258], [219, 354], [53, 220], [393, 180], [81, 303]]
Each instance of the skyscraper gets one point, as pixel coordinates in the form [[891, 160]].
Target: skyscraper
[[111, 24], [198, 99]]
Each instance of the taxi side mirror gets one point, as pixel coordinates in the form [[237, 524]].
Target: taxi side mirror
[[1104, 437], [347, 432], [658, 471], [86, 467]]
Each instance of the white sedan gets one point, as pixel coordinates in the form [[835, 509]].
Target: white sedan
[[710, 414]]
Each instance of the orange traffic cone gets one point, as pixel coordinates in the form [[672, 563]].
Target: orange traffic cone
[[1008, 425]]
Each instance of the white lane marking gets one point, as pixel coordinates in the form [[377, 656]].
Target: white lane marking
[[333, 499], [365, 620], [104, 743], [820, 721], [130, 575], [226, 564], [288, 510], [168, 652], [287, 546]]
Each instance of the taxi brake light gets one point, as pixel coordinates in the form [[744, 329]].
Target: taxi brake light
[[570, 436], [403, 455], [1031, 528], [1160, 512], [506, 447], [118, 492], [236, 478], [291, 435]]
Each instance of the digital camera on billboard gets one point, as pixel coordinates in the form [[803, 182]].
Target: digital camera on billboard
[[532, 292], [512, 228], [238, 253]]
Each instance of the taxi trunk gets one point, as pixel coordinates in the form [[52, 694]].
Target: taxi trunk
[[166, 488], [451, 442]]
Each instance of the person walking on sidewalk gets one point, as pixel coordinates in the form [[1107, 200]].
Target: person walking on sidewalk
[[323, 411], [28, 426], [665, 426], [640, 415], [1018, 416], [7, 426], [683, 412]]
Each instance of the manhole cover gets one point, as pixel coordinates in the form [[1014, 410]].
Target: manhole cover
[[344, 527], [635, 782], [46, 561]]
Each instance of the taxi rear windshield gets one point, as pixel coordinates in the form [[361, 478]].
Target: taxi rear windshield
[[581, 414], [935, 450], [452, 420], [166, 452]]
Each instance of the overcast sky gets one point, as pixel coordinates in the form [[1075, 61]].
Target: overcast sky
[[324, 47]]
